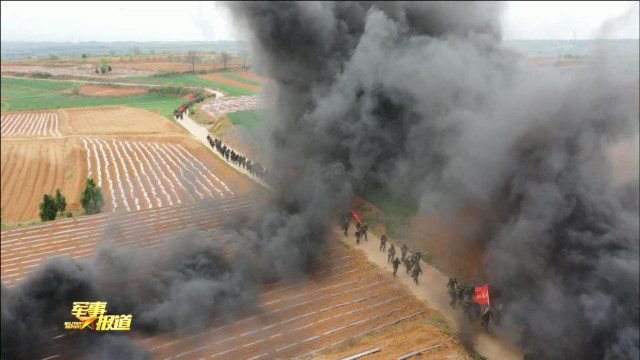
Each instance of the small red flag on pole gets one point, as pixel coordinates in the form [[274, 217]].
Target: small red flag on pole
[[481, 295], [355, 216]]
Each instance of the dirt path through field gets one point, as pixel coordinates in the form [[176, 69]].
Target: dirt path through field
[[200, 133], [432, 288]]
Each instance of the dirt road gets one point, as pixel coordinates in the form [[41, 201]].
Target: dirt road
[[433, 289]]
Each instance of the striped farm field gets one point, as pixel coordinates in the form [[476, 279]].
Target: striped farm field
[[32, 168], [140, 160], [343, 299], [138, 175], [41, 124]]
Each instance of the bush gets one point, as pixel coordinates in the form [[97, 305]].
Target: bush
[[191, 111], [75, 89], [175, 90], [91, 198], [41, 75], [48, 209], [61, 202], [69, 214]]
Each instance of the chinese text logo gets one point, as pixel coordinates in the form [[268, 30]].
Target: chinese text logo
[[93, 315]]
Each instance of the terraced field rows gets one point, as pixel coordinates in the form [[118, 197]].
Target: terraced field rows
[[138, 175], [22, 250], [29, 124]]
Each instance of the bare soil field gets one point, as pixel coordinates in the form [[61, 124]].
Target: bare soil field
[[345, 304], [171, 66], [99, 90], [116, 120], [140, 160], [83, 70], [217, 77], [30, 169], [29, 124], [251, 76]]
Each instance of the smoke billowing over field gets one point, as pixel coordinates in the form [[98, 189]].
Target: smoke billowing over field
[[419, 100]]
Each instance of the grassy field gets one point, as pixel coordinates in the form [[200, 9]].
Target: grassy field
[[251, 120], [31, 94], [193, 80]]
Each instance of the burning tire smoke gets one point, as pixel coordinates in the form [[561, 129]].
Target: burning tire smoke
[[419, 100]]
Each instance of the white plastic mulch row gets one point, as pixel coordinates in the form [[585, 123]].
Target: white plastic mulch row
[[30, 124], [229, 104], [140, 168]]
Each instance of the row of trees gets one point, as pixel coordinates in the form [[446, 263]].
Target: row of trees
[[91, 200], [225, 57]]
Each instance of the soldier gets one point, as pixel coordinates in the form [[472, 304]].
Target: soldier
[[383, 242], [498, 314], [451, 286], [404, 248], [417, 256], [485, 320], [392, 253], [345, 228], [396, 264], [363, 230], [408, 264], [416, 272], [358, 234]]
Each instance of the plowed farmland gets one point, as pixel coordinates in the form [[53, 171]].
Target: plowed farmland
[[32, 168], [116, 120], [139, 159], [343, 299], [33, 124], [217, 77]]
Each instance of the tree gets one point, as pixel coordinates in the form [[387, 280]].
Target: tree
[[136, 51], [61, 202], [109, 68], [84, 56], [192, 57], [91, 198], [48, 209], [225, 58]]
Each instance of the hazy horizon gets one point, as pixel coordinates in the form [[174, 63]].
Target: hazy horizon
[[210, 21]]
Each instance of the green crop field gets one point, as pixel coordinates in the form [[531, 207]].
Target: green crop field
[[251, 120], [31, 94], [193, 80]]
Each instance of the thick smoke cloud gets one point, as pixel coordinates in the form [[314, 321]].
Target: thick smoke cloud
[[421, 100]]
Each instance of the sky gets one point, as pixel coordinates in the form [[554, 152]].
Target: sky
[[193, 21]]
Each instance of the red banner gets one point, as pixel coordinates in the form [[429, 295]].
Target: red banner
[[355, 216], [481, 295]]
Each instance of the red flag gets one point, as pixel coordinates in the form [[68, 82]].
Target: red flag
[[481, 295], [355, 216]]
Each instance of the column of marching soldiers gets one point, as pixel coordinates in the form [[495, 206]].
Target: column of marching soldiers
[[459, 293], [230, 155], [179, 112]]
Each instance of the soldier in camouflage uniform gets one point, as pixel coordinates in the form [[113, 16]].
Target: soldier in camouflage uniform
[[396, 264], [345, 228], [485, 320], [408, 264], [498, 314], [392, 253], [451, 289], [416, 272], [467, 303], [383, 242], [363, 230], [404, 248]]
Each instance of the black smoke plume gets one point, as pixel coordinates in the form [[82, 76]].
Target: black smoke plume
[[422, 101]]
